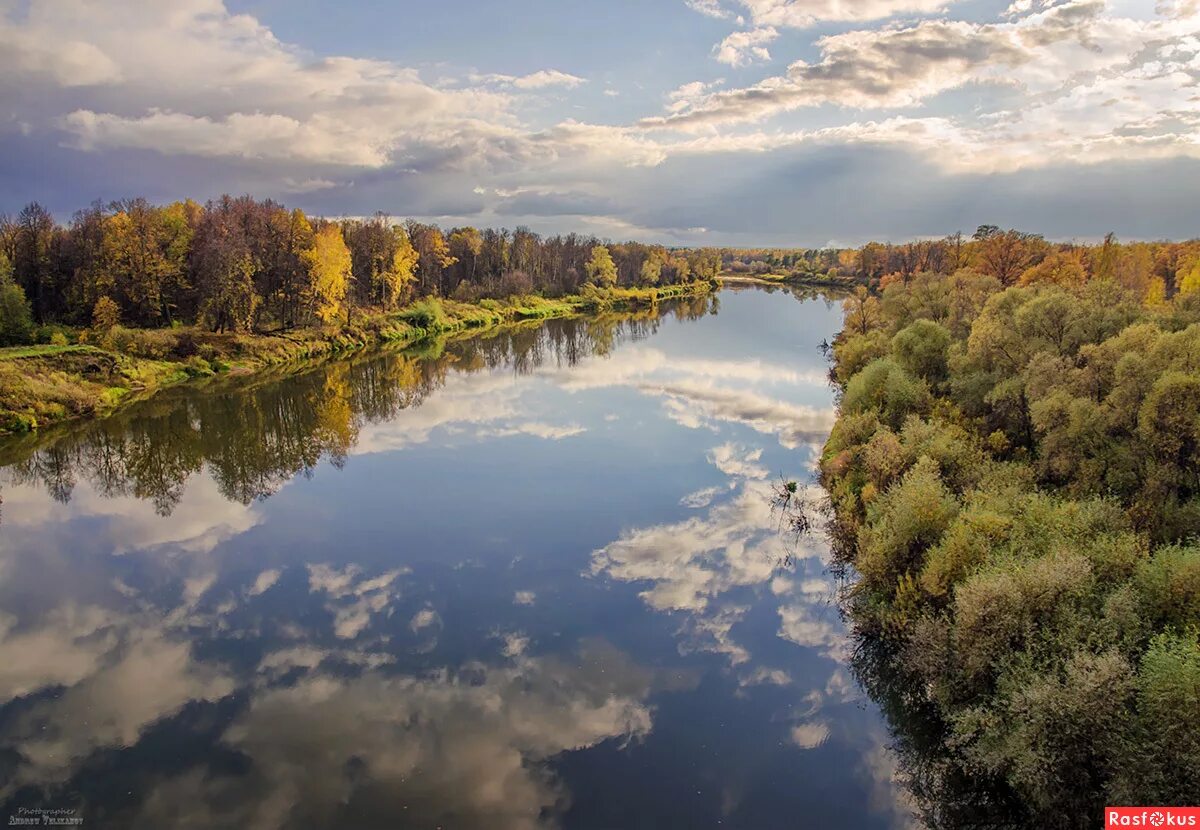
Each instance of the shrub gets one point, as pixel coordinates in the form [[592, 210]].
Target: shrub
[[428, 314], [885, 387], [903, 523], [922, 349]]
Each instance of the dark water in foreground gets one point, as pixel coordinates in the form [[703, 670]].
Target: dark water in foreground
[[530, 581]]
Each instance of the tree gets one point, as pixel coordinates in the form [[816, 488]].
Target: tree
[[1187, 275], [16, 320], [143, 254], [861, 310], [433, 253], [106, 314], [600, 268], [224, 268], [329, 267], [652, 267], [31, 259], [466, 244], [1006, 254], [1064, 268]]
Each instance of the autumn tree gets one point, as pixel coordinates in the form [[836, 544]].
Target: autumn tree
[[1005, 255], [466, 244], [600, 269], [384, 261], [329, 266], [224, 268], [652, 267], [433, 254]]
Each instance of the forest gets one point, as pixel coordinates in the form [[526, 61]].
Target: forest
[[1011, 256], [241, 264], [1015, 483]]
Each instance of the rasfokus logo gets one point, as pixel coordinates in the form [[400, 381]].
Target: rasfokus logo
[[1151, 817]]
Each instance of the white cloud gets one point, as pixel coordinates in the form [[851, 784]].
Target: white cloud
[[477, 739], [354, 601], [708, 8], [535, 80], [743, 48], [810, 735], [737, 461], [700, 498], [1093, 87], [264, 581], [805, 13], [540, 429]]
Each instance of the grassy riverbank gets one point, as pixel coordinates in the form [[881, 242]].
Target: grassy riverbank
[[94, 373], [797, 278]]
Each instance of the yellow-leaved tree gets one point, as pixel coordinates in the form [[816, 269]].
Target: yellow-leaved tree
[[328, 262], [404, 266], [1187, 275], [601, 269]]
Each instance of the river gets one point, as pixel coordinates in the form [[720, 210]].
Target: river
[[529, 579]]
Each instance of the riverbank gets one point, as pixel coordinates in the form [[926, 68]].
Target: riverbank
[[792, 279], [93, 373]]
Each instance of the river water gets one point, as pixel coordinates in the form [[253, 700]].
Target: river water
[[531, 579]]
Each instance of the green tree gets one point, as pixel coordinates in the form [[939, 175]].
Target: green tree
[[16, 319]]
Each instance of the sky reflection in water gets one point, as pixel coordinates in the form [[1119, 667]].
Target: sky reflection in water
[[531, 580]]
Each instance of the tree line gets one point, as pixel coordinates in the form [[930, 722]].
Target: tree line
[[1146, 269], [1015, 472], [241, 264]]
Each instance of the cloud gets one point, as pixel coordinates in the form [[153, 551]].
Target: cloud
[[700, 498], [708, 8], [536, 80], [691, 562], [900, 67], [264, 581], [189, 98], [737, 461], [815, 626], [801, 14], [540, 429], [203, 518], [474, 741], [354, 601], [744, 48], [125, 678], [810, 735], [193, 78], [1068, 82], [689, 94]]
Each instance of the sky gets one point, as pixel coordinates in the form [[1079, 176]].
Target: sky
[[687, 122]]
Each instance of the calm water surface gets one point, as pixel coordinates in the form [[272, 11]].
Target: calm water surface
[[528, 580]]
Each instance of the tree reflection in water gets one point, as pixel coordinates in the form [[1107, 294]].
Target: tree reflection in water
[[256, 434]]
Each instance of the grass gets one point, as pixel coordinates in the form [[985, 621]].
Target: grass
[[12, 352], [794, 278], [46, 384]]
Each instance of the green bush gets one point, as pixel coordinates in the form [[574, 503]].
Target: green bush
[[886, 388], [922, 348], [427, 314]]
